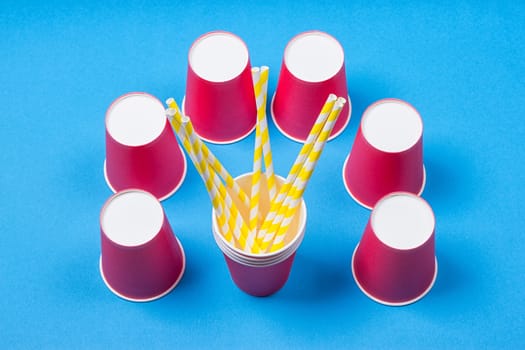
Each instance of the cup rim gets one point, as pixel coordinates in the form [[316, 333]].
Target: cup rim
[[386, 302], [233, 255], [264, 259], [154, 297]]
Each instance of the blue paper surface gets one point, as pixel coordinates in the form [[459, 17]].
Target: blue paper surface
[[461, 65]]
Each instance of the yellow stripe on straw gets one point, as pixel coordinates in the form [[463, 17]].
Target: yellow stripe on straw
[[215, 164], [293, 199], [263, 234]]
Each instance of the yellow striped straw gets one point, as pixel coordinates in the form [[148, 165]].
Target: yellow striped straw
[[236, 223], [292, 175], [182, 129], [233, 216], [216, 164], [175, 117], [261, 93], [230, 214], [293, 199], [257, 163]]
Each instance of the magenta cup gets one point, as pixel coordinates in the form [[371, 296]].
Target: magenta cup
[[261, 274], [387, 154], [394, 263], [141, 148], [141, 258], [219, 97], [313, 67]]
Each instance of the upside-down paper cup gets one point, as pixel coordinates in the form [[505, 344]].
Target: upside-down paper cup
[[261, 274], [387, 154], [395, 263], [219, 97], [141, 259], [313, 67], [141, 149]]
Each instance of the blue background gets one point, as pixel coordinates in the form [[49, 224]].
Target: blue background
[[461, 65]]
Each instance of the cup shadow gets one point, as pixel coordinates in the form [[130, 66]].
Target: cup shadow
[[314, 279], [449, 177]]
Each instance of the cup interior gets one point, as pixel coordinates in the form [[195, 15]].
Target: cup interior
[[314, 56], [291, 242], [218, 56], [135, 119], [403, 221], [391, 125], [132, 218]]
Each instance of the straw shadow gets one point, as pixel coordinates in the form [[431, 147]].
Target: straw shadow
[[449, 175], [458, 288], [317, 280], [451, 277], [81, 174]]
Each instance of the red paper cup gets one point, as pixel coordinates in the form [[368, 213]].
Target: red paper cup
[[219, 97], [395, 264], [141, 149], [261, 274], [141, 258], [387, 154], [313, 67]]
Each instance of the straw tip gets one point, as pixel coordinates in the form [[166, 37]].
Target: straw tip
[[256, 69], [264, 68], [332, 97], [170, 112], [341, 101], [170, 100]]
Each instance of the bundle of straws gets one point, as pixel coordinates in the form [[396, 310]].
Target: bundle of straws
[[262, 232]]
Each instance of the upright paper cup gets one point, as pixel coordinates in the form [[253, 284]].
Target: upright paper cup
[[261, 274], [141, 149], [395, 264], [313, 67], [141, 258], [219, 97], [387, 154]]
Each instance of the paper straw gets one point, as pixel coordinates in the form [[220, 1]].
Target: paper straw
[[293, 199], [230, 214], [175, 120], [262, 93], [211, 181], [257, 161], [294, 171], [262, 149], [216, 164]]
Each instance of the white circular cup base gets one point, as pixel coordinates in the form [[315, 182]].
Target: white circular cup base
[[367, 206], [166, 196], [331, 137], [227, 142], [151, 298], [388, 303]]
